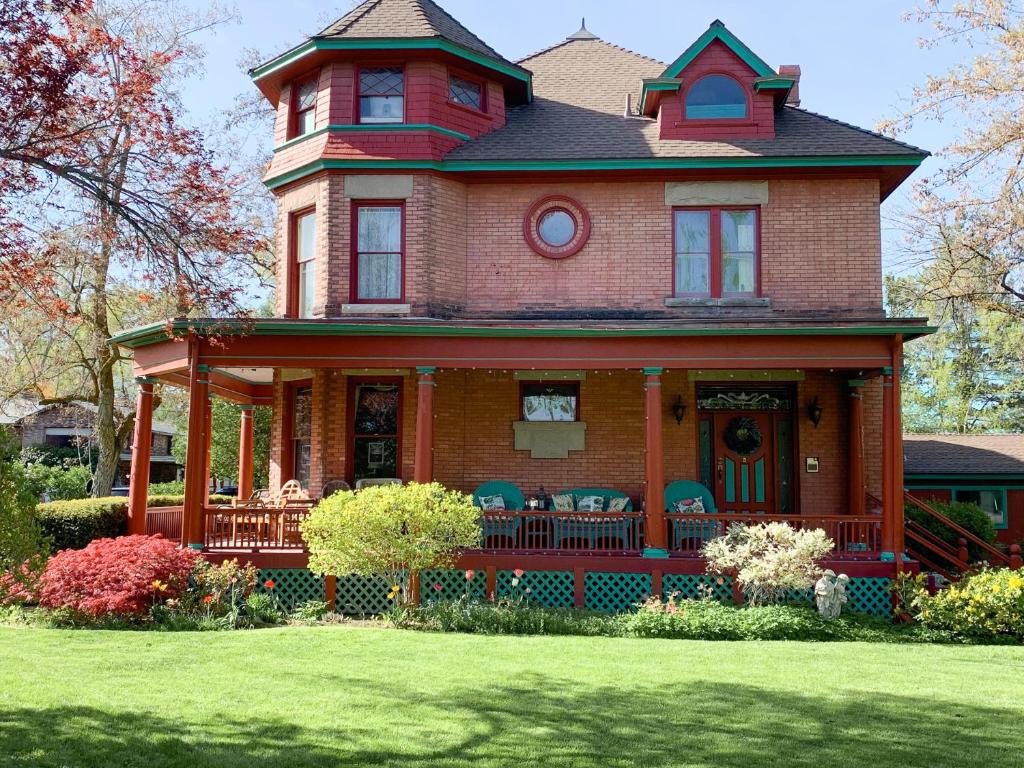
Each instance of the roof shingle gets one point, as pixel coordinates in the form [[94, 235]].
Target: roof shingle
[[963, 454]]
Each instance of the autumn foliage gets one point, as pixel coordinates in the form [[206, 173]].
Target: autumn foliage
[[124, 577]]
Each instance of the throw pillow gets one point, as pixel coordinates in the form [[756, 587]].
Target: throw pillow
[[562, 502], [590, 504], [491, 503], [690, 506], [618, 504]]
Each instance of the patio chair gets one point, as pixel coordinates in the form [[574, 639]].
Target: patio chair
[[368, 482], [688, 530], [333, 487], [499, 530], [593, 531]]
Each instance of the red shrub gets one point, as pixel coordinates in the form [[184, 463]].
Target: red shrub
[[122, 576], [22, 587]]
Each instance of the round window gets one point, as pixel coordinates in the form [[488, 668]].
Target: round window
[[557, 227]]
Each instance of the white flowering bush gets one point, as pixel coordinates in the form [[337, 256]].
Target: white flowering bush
[[768, 559]]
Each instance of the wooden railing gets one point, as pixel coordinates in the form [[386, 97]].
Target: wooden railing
[[854, 536], [165, 521], [995, 557], [254, 529], [549, 531]]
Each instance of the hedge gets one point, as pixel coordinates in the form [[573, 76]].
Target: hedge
[[966, 515], [73, 524]]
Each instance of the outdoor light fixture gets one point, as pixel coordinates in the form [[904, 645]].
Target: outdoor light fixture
[[814, 412], [679, 409]]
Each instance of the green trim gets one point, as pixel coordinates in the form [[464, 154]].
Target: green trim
[[426, 370], [1004, 520], [857, 383], [654, 371], [393, 44], [157, 332], [203, 368], [657, 85], [697, 163], [246, 407], [375, 128], [993, 476], [718, 31], [778, 82], [654, 552]]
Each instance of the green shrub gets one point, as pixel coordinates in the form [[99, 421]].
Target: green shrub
[[985, 605], [172, 488], [310, 611], [502, 618], [22, 544], [58, 483], [966, 515]]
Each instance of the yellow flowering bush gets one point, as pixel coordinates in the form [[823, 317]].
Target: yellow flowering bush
[[987, 604]]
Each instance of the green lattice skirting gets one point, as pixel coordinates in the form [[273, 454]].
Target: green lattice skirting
[[292, 586], [615, 592], [551, 588], [867, 594], [695, 586], [448, 585]]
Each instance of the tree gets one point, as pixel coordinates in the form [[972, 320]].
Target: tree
[[393, 531], [967, 377], [227, 422], [20, 538], [108, 203], [971, 215]]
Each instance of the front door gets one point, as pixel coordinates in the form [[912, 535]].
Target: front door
[[744, 462]]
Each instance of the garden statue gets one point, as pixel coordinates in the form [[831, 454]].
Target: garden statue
[[830, 594]]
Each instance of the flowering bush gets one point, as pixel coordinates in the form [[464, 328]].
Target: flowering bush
[[123, 577], [987, 604], [769, 559]]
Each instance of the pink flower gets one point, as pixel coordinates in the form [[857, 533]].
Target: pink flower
[[518, 573], [469, 575], [438, 587]]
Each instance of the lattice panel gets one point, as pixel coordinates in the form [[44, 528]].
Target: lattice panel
[[615, 592], [800, 596], [362, 595], [869, 595], [452, 585], [551, 588], [292, 586], [694, 586]]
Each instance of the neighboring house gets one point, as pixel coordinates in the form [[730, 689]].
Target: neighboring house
[[587, 271], [71, 426], [987, 470]]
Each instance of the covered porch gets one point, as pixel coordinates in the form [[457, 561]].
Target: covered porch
[[793, 421]]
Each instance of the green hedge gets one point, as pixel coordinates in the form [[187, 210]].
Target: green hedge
[[966, 515], [73, 524]]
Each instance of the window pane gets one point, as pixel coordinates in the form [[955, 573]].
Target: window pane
[[380, 276], [738, 231], [303, 461], [306, 122], [557, 228], [380, 229], [306, 96], [307, 288], [693, 247], [302, 413], [716, 97], [549, 402], [692, 273], [990, 501], [376, 409], [738, 273], [738, 255], [465, 92], [376, 457], [382, 81], [305, 233], [381, 109]]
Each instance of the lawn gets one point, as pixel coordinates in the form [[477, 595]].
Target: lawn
[[340, 696]]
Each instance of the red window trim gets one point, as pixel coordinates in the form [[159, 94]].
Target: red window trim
[[463, 75], [525, 383], [358, 88], [350, 424], [715, 255], [354, 256], [293, 105], [292, 304], [288, 428], [700, 122]]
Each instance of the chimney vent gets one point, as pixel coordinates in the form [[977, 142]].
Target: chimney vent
[[792, 70]]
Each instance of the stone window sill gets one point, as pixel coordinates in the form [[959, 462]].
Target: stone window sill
[[376, 309], [745, 301]]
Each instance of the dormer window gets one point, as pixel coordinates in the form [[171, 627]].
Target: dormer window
[[716, 97], [465, 93], [304, 107], [382, 95]]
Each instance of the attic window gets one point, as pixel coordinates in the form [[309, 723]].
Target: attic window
[[716, 97], [382, 95], [466, 93]]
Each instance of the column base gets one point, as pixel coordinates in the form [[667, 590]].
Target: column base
[[888, 557], [196, 547], [655, 552]]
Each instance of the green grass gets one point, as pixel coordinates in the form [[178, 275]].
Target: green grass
[[339, 696]]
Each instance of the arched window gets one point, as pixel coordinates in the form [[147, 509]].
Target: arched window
[[716, 97]]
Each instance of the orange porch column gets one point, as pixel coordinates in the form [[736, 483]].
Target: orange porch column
[[899, 543], [655, 534], [423, 467], [245, 449], [856, 493], [208, 453], [888, 470], [142, 444], [195, 456]]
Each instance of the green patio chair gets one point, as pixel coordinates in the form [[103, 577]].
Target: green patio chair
[[502, 528], [683, 530], [567, 528]]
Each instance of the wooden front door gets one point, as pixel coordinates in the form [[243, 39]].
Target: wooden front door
[[744, 462]]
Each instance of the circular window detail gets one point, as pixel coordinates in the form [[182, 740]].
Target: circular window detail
[[743, 436], [556, 227]]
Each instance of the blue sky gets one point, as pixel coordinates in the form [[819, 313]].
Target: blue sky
[[860, 60]]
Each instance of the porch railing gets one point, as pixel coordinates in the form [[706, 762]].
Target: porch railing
[[545, 531], [254, 529], [854, 536], [165, 521]]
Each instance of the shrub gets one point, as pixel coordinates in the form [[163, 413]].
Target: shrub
[[966, 515], [986, 605], [503, 618], [171, 488], [769, 559], [390, 530], [310, 611], [121, 577], [20, 536]]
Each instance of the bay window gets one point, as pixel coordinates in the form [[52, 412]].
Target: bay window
[[303, 240], [379, 252], [716, 252]]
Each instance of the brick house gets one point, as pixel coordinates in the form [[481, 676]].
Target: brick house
[[586, 273]]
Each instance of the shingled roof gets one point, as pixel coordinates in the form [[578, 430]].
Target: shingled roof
[[578, 113], [406, 19], [963, 454]]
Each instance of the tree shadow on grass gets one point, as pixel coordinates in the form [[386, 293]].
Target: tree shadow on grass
[[530, 721]]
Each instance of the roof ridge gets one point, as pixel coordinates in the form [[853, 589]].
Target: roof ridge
[[867, 131], [459, 23], [356, 13], [569, 40]]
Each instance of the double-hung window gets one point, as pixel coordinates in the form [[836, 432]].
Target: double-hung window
[[382, 95], [379, 252], [304, 265], [304, 107], [302, 429], [716, 252]]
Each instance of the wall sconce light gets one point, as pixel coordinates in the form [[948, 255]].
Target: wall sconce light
[[814, 412], [679, 409]]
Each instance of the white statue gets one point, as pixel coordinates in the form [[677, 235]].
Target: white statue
[[830, 594]]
